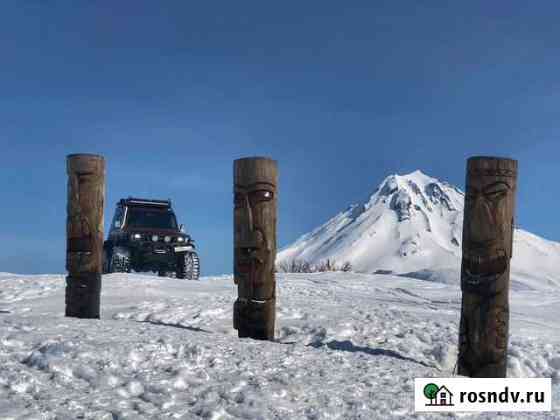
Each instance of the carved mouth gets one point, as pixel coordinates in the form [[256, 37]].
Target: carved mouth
[[479, 268]]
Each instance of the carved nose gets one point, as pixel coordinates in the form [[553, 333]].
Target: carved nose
[[250, 240], [483, 225], [247, 215]]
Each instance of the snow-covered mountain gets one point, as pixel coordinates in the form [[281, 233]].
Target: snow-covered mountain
[[412, 224]]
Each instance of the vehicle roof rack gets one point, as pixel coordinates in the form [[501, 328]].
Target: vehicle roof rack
[[145, 202]]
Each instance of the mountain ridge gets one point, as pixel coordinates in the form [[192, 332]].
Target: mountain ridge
[[412, 225]]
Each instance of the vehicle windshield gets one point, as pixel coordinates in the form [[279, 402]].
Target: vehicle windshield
[[148, 218]]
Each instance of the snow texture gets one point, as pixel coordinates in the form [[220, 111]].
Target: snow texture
[[412, 225], [348, 347]]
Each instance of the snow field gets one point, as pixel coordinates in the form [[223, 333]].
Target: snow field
[[348, 347]]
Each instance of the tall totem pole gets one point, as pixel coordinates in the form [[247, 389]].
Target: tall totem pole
[[488, 227], [255, 202], [84, 234]]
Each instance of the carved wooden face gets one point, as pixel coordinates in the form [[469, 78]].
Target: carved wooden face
[[86, 191], [255, 237], [86, 186], [488, 228]]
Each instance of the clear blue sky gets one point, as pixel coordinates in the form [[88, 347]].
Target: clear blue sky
[[340, 93]]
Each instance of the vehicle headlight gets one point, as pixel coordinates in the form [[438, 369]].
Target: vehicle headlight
[[136, 236], [180, 239], [155, 238], [167, 239]]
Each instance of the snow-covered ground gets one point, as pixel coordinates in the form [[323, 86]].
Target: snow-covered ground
[[348, 347]]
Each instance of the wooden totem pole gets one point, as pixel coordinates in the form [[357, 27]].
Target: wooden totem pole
[[255, 202], [488, 227], [84, 234]]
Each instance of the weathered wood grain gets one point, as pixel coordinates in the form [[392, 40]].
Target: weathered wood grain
[[255, 204], [488, 228], [84, 233]]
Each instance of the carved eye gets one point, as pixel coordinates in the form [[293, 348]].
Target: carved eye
[[495, 194], [261, 195], [496, 191], [238, 200]]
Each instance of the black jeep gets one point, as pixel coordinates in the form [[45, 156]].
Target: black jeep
[[144, 236]]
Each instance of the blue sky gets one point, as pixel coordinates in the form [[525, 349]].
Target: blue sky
[[340, 93]]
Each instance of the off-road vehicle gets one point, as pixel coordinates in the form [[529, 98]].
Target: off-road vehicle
[[144, 236]]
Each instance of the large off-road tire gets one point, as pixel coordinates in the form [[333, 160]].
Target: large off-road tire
[[116, 261], [188, 266]]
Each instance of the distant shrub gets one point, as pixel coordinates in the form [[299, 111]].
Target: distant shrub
[[326, 265], [294, 266], [302, 266], [346, 267]]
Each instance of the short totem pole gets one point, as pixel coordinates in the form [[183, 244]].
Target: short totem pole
[[84, 234], [255, 202], [487, 250]]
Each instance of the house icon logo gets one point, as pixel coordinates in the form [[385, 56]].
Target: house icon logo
[[438, 396]]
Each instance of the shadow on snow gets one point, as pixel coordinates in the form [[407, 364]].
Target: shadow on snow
[[347, 345], [184, 327]]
